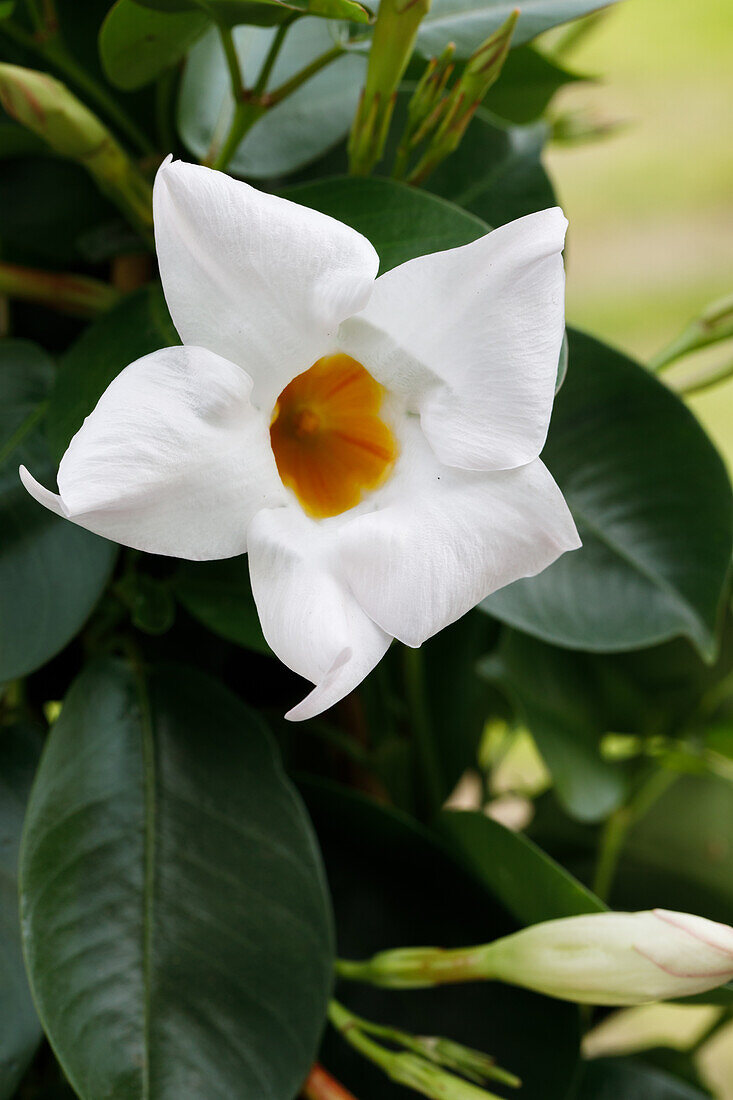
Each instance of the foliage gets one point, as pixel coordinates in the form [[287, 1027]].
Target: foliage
[[190, 864]]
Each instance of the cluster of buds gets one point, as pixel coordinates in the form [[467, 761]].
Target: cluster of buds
[[602, 959], [442, 119], [438, 1068], [48, 108]]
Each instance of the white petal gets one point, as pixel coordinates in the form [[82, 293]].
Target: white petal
[[308, 616], [174, 459], [471, 338], [442, 539], [256, 278]]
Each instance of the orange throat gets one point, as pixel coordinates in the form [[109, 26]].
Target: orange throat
[[330, 444]]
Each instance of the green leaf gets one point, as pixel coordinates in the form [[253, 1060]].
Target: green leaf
[[139, 325], [6, 8], [20, 1031], [520, 875], [469, 23], [395, 884], [496, 172], [528, 82], [400, 221], [653, 508], [137, 44], [219, 595], [616, 1078], [51, 571], [559, 700], [176, 923], [263, 13], [294, 132]]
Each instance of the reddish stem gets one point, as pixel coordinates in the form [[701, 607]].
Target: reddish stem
[[320, 1085]]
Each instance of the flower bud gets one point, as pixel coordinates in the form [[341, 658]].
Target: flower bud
[[48, 108], [616, 958]]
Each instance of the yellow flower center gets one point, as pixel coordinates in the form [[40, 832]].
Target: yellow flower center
[[330, 444]]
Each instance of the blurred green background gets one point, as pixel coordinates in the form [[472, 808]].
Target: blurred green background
[[651, 243], [651, 205]]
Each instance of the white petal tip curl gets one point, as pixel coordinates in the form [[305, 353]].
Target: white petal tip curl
[[334, 686], [44, 496]]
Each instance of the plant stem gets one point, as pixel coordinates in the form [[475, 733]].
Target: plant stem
[[305, 74], [68, 293], [244, 118], [320, 1085], [273, 53], [423, 739], [235, 70], [55, 52], [617, 826]]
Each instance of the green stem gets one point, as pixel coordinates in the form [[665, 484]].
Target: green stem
[[54, 51], [77, 294], [616, 828], [232, 59], [292, 85], [244, 118], [422, 732], [273, 54]]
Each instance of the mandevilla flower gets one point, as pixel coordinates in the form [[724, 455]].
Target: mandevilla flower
[[600, 959], [372, 444]]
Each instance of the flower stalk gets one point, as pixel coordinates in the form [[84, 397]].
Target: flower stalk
[[320, 1085], [68, 293], [48, 108], [395, 32], [714, 324], [416, 1066], [601, 958], [481, 72]]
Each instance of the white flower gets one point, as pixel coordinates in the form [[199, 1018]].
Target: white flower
[[616, 958], [370, 443]]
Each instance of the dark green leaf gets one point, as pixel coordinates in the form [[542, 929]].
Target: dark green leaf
[[294, 132], [562, 705], [137, 44], [628, 1079], [20, 1031], [394, 885], [219, 595], [176, 923], [51, 572], [527, 83], [469, 23], [263, 13], [400, 221], [496, 172], [138, 325], [652, 502], [520, 875]]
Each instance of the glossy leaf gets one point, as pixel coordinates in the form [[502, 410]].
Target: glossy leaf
[[652, 502], [394, 885], [469, 23], [263, 13], [137, 44], [219, 595], [51, 572], [400, 221], [20, 1031], [294, 132], [526, 881], [138, 325], [560, 703], [176, 924], [527, 84], [497, 171], [614, 1078]]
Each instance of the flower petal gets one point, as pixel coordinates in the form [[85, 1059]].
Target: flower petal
[[471, 338], [174, 459], [442, 539], [308, 616], [256, 278]]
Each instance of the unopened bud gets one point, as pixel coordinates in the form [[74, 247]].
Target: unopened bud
[[601, 959], [616, 958], [48, 108]]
